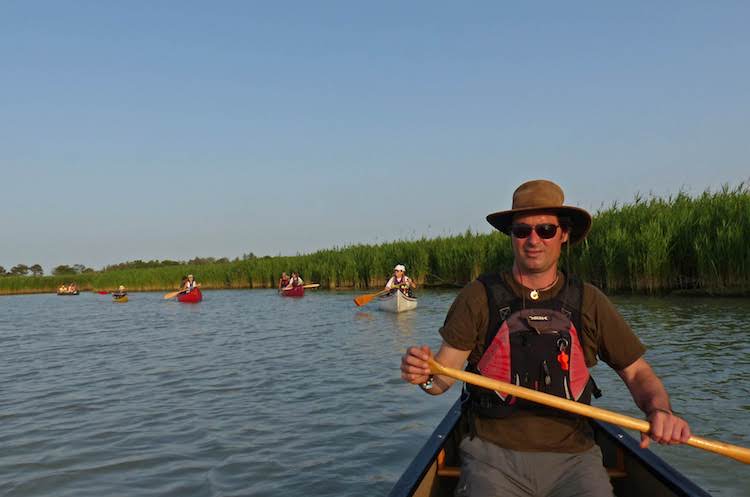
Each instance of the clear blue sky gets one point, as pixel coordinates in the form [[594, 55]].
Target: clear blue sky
[[153, 130]]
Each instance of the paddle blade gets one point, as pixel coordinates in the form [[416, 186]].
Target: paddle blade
[[171, 295], [366, 299], [311, 285], [363, 299]]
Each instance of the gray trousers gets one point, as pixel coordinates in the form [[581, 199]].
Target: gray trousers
[[491, 471]]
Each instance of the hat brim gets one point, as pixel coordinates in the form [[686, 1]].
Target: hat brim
[[579, 218]]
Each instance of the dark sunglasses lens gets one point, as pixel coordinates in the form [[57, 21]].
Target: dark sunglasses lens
[[546, 231], [521, 230]]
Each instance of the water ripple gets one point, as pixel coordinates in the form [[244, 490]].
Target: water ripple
[[248, 393]]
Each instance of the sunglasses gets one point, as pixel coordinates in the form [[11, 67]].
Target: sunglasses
[[545, 231]]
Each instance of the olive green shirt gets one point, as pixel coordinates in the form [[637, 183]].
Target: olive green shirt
[[605, 335]]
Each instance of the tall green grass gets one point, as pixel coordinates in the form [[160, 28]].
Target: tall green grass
[[675, 243], [651, 245]]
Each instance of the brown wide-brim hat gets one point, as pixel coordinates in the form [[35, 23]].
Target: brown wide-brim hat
[[543, 196]]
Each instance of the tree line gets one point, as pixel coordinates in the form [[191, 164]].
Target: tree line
[[140, 264], [22, 270], [65, 269]]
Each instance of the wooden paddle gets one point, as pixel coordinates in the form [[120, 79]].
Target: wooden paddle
[[736, 452], [311, 285], [172, 295], [365, 299]]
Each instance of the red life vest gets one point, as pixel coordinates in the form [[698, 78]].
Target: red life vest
[[533, 344]]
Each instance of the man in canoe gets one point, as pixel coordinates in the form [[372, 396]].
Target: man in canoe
[[540, 328], [120, 292], [401, 281]]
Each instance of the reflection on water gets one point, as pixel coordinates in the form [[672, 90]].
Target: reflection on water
[[249, 393], [363, 315], [404, 323]]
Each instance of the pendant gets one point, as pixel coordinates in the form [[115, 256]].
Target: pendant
[[534, 295]]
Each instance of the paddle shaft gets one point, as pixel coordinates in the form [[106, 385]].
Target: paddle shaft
[[311, 285], [736, 452]]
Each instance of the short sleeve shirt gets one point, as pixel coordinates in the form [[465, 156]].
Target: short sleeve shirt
[[605, 336], [392, 282]]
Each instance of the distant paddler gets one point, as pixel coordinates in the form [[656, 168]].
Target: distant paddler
[[71, 289], [121, 295], [294, 281], [187, 285], [400, 281], [190, 284], [283, 281]]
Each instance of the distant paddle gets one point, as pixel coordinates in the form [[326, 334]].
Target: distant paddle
[[736, 452], [172, 295], [365, 299], [311, 285]]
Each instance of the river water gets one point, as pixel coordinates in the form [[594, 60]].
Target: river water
[[249, 393]]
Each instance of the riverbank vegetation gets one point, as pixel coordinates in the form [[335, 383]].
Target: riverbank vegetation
[[653, 245]]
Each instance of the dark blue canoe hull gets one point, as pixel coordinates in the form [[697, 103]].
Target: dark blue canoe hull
[[634, 472]]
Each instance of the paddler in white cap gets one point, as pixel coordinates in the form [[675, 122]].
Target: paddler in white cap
[[400, 280]]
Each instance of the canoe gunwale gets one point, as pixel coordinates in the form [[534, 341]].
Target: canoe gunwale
[[657, 466], [422, 462], [412, 477]]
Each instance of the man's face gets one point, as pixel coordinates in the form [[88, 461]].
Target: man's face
[[534, 254]]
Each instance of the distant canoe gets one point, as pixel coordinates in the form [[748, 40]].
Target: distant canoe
[[191, 297], [634, 472], [119, 299], [297, 291], [397, 302], [68, 293]]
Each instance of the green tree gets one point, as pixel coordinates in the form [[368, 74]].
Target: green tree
[[62, 270], [36, 270], [19, 270]]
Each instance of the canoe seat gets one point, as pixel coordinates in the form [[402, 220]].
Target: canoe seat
[[444, 471]]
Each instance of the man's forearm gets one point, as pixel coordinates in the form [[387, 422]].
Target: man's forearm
[[646, 388]]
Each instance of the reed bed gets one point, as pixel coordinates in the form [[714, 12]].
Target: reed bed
[[652, 245]]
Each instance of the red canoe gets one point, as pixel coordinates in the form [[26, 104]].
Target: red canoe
[[297, 291], [191, 297]]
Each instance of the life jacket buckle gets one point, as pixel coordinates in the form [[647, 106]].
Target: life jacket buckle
[[504, 313]]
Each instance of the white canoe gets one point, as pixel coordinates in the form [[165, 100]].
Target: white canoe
[[397, 302]]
